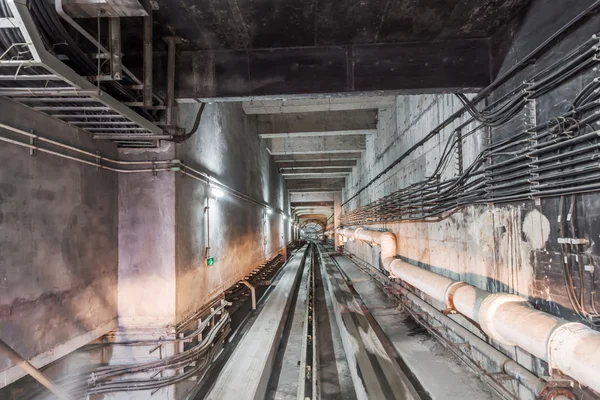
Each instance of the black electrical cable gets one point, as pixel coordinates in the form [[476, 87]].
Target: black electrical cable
[[537, 52], [194, 129], [514, 180]]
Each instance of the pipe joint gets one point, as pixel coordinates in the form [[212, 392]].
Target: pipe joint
[[487, 314], [556, 394], [574, 350], [452, 289]]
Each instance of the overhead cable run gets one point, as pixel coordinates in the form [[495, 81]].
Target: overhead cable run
[[487, 91], [556, 157]]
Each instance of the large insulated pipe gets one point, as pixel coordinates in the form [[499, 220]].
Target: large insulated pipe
[[570, 347]]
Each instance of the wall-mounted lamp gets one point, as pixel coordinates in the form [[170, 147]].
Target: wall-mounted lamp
[[283, 216], [217, 192], [269, 211]]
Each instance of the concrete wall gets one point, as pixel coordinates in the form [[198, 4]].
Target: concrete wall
[[242, 235], [501, 248], [58, 244]]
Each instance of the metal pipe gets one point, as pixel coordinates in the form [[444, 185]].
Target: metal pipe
[[570, 347], [510, 367], [171, 47], [33, 371], [173, 165], [148, 55], [252, 293]]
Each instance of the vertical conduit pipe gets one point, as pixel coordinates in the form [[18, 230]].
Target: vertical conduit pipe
[[570, 347]]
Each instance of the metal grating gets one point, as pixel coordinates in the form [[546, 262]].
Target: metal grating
[[31, 75]]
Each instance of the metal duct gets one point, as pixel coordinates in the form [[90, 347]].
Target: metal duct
[[570, 347]]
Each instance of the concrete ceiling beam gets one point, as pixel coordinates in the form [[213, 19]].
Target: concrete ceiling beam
[[308, 185], [316, 175], [329, 123], [315, 190], [314, 171], [294, 165], [442, 66], [311, 197], [311, 203], [318, 145], [318, 104], [317, 157]]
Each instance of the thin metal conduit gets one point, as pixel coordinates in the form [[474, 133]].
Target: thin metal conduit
[[172, 165]]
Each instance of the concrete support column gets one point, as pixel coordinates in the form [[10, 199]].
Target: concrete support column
[[147, 279], [147, 268], [337, 214]]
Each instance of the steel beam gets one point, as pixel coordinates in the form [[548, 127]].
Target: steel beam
[[114, 28], [457, 65], [148, 55]]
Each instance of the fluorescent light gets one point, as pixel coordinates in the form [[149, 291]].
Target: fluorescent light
[[217, 192]]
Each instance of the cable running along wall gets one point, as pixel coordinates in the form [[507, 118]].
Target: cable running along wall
[[556, 157]]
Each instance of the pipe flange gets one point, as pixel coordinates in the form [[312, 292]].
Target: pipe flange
[[558, 339], [556, 394], [356, 232], [450, 294], [487, 312]]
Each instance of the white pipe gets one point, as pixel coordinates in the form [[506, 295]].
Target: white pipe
[[99, 161], [573, 348]]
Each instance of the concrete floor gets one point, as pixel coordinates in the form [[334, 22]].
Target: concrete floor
[[441, 374]]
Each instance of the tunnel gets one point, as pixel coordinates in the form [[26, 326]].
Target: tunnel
[[299, 200]]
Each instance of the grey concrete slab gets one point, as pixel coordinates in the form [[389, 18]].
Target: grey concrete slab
[[442, 375], [318, 104], [375, 372], [246, 374], [317, 145], [328, 123]]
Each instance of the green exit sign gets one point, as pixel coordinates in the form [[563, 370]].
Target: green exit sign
[[210, 261]]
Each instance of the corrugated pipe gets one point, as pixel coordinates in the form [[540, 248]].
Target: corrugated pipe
[[573, 348]]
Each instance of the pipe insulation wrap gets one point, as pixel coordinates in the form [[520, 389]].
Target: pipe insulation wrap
[[575, 350], [428, 282], [572, 348], [534, 331]]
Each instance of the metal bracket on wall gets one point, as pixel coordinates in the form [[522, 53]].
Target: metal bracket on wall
[[530, 123], [115, 48], [459, 151], [32, 142]]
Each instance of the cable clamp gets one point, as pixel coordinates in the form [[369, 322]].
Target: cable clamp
[[583, 241]]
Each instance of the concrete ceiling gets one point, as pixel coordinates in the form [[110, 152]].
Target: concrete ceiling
[[260, 49], [268, 24], [317, 142]]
